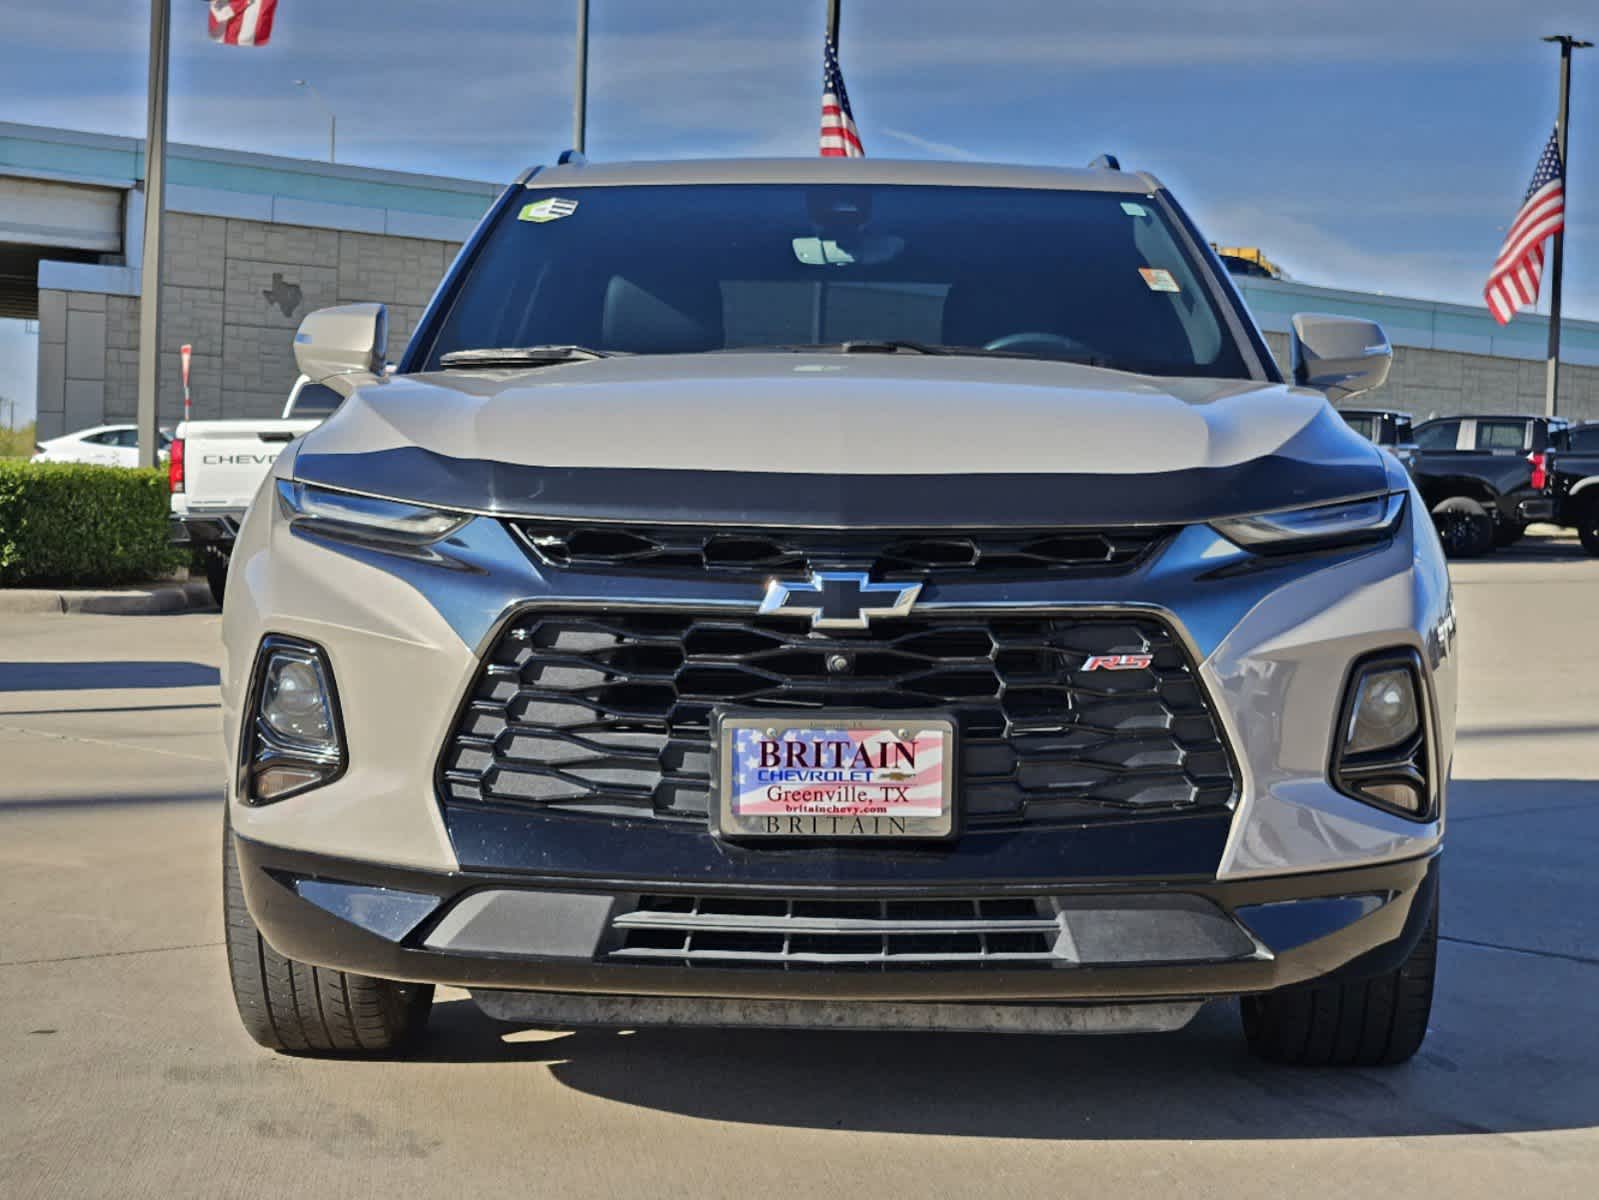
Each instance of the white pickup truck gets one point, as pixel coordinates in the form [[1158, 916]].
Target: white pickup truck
[[216, 467]]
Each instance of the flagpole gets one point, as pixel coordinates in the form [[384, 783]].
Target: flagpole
[[1562, 122], [832, 22], [580, 98], [155, 203]]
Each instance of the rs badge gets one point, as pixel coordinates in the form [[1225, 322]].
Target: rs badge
[[1118, 662]]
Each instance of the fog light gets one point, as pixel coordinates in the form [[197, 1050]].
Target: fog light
[[1385, 711], [292, 736], [294, 698], [1406, 797], [1382, 751], [276, 782]]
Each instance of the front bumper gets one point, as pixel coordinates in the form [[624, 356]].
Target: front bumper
[[1130, 941]]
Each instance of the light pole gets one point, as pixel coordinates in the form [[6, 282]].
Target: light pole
[[155, 203], [333, 119], [580, 84], [1567, 44]]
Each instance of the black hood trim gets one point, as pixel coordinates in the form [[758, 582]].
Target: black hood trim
[[1325, 462], [757, 498]]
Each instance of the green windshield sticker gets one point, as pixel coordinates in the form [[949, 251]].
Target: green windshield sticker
[[1134, 210], [552, 208]]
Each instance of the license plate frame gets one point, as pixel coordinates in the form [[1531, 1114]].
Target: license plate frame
[[730, 819]]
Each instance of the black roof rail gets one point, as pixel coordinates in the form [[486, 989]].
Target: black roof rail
[[572, 158], [1105, 162]]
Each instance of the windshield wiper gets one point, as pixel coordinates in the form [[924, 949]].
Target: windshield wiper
[[897, 345], [519, 356], [890, 346]]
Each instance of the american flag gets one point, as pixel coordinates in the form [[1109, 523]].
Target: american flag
[[242, 22], [840, 139], [1517, 273]]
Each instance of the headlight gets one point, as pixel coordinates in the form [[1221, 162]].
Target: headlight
[[293, 736], [1295, 529], [365, 518], [1382, 750]]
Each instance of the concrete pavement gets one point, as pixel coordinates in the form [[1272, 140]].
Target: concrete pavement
[[123, 1071]]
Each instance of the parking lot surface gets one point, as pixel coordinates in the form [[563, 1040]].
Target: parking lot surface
[[124, 1072]]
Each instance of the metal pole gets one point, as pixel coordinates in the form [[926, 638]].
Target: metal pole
[[333, 117], [155, 203], [1567, 43], [580, 98], [832, 22]]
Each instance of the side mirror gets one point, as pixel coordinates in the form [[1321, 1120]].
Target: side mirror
[[1342, 356], [344, 348]]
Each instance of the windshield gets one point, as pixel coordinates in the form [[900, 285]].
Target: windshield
[[1081, 276]]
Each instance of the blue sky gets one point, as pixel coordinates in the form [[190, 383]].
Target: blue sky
[[1374, 144]]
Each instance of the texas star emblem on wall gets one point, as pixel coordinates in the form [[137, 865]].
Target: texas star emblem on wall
[[285, 295]]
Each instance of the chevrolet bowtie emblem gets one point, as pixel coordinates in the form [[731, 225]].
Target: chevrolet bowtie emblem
[[839, 599]]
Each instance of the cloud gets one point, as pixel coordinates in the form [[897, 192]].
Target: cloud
[[1202, 88], [942, 149], [101, 27]]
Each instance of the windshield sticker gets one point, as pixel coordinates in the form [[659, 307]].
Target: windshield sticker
[[1134, 210], [552, 208], [1159, 279]]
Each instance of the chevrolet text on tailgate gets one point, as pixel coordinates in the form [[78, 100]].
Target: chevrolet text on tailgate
[[838, 593], [215, 467]]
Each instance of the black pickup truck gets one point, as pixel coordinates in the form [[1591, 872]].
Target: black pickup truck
[[1572, 467], [1483, 477], [1386, 427]]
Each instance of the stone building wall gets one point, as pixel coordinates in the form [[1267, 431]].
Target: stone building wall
[[1442, 383], [236, 290]]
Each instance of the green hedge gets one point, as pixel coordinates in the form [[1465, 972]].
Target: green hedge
[[69, 523]]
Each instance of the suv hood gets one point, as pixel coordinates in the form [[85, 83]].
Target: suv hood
[[825, 439]]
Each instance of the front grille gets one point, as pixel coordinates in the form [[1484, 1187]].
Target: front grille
[[790, 933], [696, 550], [610, 712], [802, 933]]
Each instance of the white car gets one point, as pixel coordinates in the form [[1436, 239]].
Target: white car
[[102, 445]]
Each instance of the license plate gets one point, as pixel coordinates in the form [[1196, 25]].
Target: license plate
[[814, 776]]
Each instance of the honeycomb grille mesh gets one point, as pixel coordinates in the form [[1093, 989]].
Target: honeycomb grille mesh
[[610, 712], [692, 550]]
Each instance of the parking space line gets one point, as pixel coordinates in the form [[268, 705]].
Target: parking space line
[[36, 962], [68, 737], [1503, 949], [132, 708]]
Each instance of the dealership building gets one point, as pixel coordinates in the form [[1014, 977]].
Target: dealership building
[[254, 242]]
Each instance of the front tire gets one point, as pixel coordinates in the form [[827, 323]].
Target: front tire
[[1376, 1022], [1588, 528], [1464, 527], [1508, 533], [293, 1006]]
